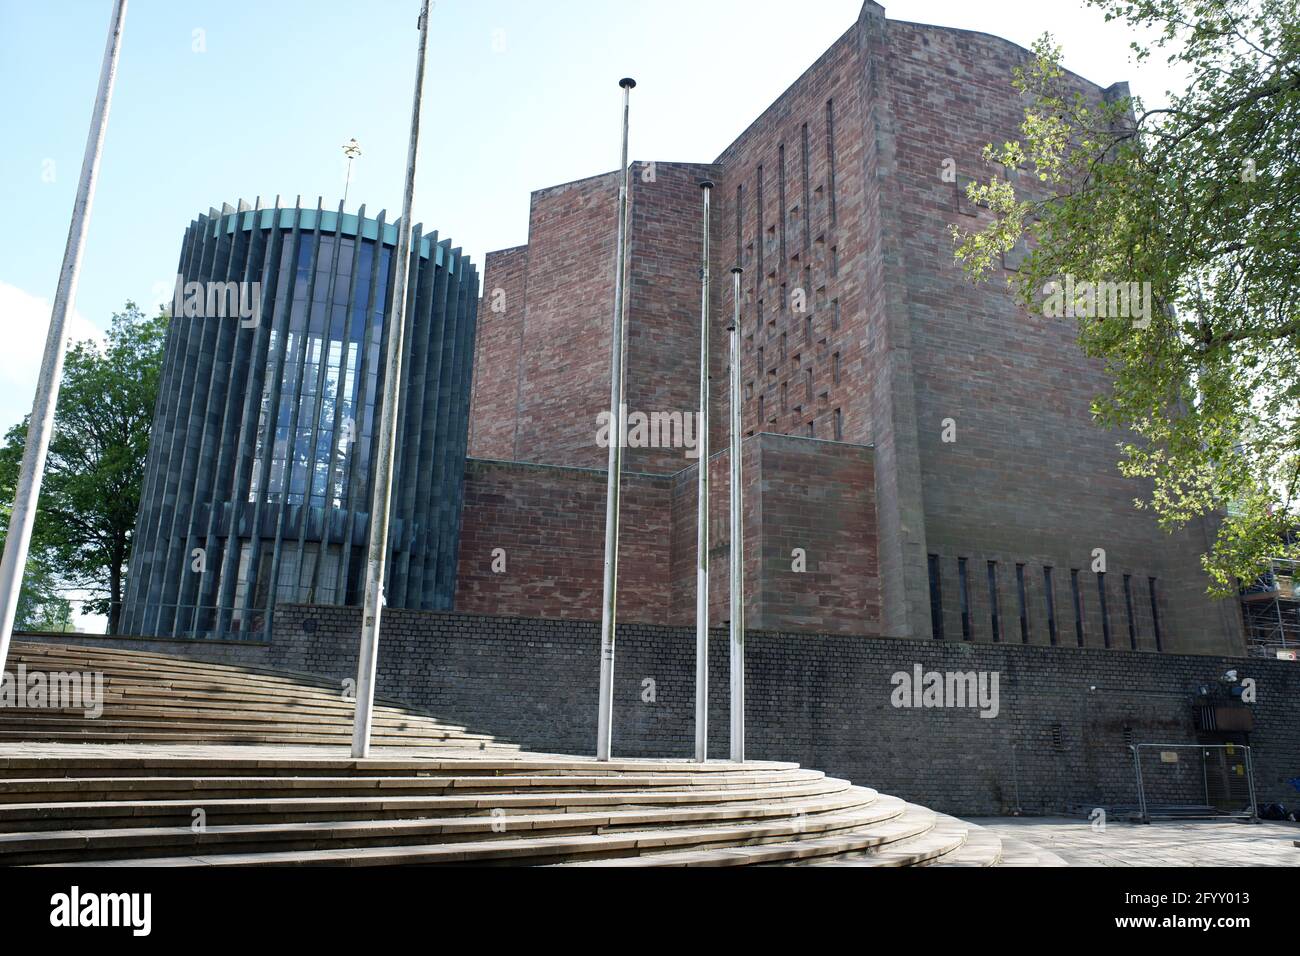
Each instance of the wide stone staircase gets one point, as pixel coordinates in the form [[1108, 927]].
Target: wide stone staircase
[[196, 764], [156, 698]]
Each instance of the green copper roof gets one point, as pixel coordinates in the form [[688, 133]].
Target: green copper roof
[[351, 225]]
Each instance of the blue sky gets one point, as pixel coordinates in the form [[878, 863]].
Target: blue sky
[[221, 100]]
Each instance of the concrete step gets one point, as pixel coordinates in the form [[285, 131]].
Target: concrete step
[[939, 837], [220, 705], [68, 789], [161, 690], [894, 821], [23, 816], [543, 848], [67, 760], [141, 677], [982, 848], [146, 670], [234, 737], [135, 842], [156, 699], [108, 658], [393, 727]]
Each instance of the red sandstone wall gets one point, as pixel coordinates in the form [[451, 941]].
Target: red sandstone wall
[[564, 371], [551, 523], [814, 240], [542, 370], [498, 347], [663, 335], [800, 494], [817, 496], [859, 221], [685, 514], [1030, 480], [814, 495]]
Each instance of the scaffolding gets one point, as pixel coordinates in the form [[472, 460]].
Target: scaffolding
[[1270, 611]]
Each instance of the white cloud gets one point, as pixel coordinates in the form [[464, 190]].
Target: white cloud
[[24, 321]]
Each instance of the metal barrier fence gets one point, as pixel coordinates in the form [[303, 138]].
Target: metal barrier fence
[[1194, 781]]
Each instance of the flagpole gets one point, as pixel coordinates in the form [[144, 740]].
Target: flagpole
[[737, 545], [702, 521], [377, 557], [617, 427], [41, 426]]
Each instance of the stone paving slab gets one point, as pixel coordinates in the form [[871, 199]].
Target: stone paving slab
[[1162, 843]]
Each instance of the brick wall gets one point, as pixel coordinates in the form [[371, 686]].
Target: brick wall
[[858, 325], [830, 517], [542, 371], [822, 701], [549, 522], [817, 497], [498, 350], [663, 317], [562, 369], [1029, 479]]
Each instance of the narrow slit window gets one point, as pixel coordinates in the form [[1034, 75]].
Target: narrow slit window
[[963, 589], [1077, 595], [1024, 607], [1155, 613], [994, 615], [936, 600], [807, 187], [1128, 607], [780, 190], [830, 156], [1101, 600], [740, 220], [1049, 594]]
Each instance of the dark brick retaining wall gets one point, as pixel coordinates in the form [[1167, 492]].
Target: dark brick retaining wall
[[822, 701]]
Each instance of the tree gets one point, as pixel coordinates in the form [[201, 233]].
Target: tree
[[90, 495], [40, 605], [1198, 203]]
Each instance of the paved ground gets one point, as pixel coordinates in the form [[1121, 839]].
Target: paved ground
[[1193, 843]]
